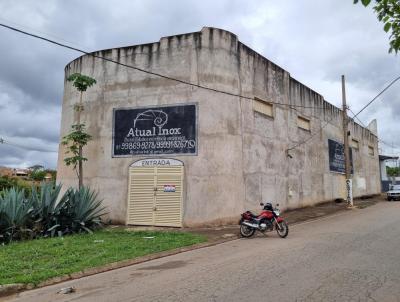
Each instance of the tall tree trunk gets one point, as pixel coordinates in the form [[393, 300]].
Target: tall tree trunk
[[80, 168], [78, 109]]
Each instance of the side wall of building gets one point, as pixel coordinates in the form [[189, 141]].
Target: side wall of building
[[278, 166], [303, 178]]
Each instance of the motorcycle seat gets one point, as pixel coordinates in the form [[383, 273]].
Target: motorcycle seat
[[252, 215]]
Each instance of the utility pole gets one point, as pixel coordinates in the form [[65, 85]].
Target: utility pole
[[349, 184]]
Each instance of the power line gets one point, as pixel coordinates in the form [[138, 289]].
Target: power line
[[379, 139], [389, 145], [370, 102], [319, 131], [362, 124], [189, 83], [39, 31], [312, 136], [29, 148], [143, 70], [5, 142], [295, 109]]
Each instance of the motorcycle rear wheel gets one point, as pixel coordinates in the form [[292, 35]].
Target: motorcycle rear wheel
[[282, 229], [246, 231]]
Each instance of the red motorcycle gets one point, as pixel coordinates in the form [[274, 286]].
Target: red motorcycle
[[266, 221]]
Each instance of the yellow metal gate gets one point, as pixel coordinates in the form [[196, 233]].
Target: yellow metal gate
[[155, 195]]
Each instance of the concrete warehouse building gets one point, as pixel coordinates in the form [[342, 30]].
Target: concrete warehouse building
[[170, 154]]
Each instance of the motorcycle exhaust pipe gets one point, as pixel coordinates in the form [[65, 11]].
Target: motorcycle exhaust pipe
[[252, 225]]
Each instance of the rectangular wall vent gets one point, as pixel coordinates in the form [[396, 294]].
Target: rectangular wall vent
[[263, 107], [355, 144], [303, 123], [371, 150]]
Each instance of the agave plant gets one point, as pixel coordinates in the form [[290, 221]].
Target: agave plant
[[48, 210], [15, 215], [84, 210], [45, 214]]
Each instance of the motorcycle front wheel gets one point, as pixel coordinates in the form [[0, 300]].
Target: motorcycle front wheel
[[282, 229], [246, 231]]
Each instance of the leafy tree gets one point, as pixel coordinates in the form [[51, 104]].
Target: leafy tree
[[78, 138], [388, 12], [53, 173], [38, 175], [392, 171]]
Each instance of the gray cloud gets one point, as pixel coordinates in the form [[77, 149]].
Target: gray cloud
[[316, 41]]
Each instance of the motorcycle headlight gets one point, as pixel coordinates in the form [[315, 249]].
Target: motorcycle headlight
[[277, 213]]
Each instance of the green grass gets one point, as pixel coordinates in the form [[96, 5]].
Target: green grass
[[34, 261]]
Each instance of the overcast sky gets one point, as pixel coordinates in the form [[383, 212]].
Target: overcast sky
[[316, 41]]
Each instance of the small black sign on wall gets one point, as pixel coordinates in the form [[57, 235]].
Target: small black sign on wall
[[336, 157], [155, 130]]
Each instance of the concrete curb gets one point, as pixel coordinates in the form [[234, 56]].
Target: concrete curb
[[10, 289]]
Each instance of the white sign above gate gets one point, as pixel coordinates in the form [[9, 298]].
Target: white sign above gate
[[152, 162]]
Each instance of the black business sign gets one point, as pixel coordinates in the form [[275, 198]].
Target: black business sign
[[336, 157], [155, 130]]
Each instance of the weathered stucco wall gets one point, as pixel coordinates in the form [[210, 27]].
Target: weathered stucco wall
[[241, 154]]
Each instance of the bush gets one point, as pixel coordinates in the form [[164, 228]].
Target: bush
[[25, 186], [16, 183], [7, 183], [43, 214]]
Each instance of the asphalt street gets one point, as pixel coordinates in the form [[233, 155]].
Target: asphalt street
[[352, 256]]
